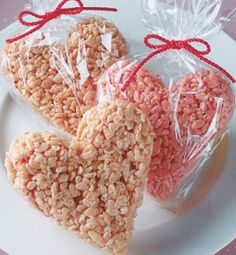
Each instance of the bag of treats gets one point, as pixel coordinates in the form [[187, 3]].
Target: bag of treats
[[54, 62], [189, 99]]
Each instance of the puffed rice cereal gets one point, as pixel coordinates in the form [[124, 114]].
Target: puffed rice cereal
[[94, 184], [186, 117], [59, 81]]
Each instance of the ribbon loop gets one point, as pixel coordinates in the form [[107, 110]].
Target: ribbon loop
[[149, 44], [48, 16], [175, 45], [24, 14], [202, 42]]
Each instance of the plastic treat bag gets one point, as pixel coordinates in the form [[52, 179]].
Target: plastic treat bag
[[189, 99], [55, 62]]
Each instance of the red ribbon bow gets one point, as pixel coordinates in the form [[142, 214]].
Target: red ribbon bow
[[48, 16], [175, 45]]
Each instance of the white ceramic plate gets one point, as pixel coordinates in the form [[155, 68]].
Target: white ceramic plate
[[205, 229]]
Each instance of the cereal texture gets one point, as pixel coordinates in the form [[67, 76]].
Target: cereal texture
[[186, 117], [59, 81], [94, 184]]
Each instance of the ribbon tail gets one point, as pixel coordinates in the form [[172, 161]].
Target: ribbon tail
[[21, 36], [140, 65], [209, 62], [106, 9]]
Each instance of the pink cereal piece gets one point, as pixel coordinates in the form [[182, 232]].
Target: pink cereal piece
[[203, 96]]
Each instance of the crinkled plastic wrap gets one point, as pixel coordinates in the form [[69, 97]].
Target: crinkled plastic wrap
[[189, 103], [55, 69]]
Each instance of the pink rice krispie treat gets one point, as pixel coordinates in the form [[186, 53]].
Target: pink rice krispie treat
[[204, 104], [59, 81], [204, 109], [93, 184]]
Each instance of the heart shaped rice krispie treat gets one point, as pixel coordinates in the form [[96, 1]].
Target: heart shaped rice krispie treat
[[186, 118], [59, 79], [94, 184]]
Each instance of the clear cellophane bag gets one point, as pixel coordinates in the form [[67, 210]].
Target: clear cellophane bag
[[190, 103]]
